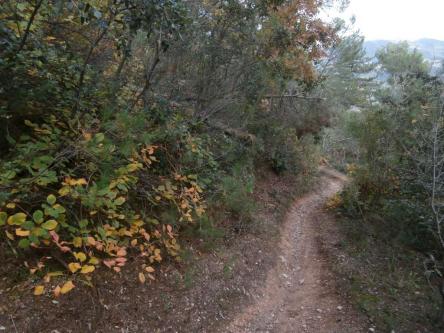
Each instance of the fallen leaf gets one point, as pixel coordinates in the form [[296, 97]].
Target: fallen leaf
[[57, 291], [142, 278], [109, 263], [121, 260], [67, 287], [39, 290]]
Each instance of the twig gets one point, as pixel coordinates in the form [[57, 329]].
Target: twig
[[13, 323], [28, 27]]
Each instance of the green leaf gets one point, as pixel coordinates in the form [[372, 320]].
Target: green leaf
[[10, 174], [51, 199], [24, 243], [28, 225], [52, 212], [3, 218], [99, 137], [102, 232], [39, 232], [59, 208], [34, 239], [38, 216], [50, 225], [83, 223]]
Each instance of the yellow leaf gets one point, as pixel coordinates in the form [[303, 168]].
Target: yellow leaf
[[39, 290], [119, 201], [134, 166], [50, 225], [67, 287], [142, 278], [64, 191], [134, 242], [51, 199], [81, 181], [87, 269], [77, 241], [22, 233], [80, 256], [10, 205], [74, 267], [17, 219], [9, 235], [94, 261]]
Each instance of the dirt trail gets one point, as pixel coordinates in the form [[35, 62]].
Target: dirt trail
[[301, 293]]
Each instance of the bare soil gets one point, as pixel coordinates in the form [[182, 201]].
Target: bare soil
[[301, 294]]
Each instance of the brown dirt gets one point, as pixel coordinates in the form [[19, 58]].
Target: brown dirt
[[272, 277], [301, 294]]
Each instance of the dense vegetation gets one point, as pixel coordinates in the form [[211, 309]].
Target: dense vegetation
[[390, 143], [124, 123]]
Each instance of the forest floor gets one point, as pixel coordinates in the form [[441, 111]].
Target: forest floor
[[276, 276]]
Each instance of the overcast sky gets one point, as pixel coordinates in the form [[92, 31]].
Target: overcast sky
[[397, 19]]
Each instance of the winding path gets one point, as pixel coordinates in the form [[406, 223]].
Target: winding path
[[301, 293]]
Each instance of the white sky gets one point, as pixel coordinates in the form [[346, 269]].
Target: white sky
[[396, 19]]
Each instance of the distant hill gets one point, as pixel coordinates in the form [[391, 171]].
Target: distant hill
[[432, 49]]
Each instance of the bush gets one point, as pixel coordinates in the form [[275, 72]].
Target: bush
[[290, 154]]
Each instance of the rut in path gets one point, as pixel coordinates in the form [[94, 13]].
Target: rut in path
[[300, 293]]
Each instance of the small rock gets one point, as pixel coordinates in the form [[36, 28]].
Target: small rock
[[55, 302], [301, 281], [2, 328], [371, 329], [319, 310], [339, 308]]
